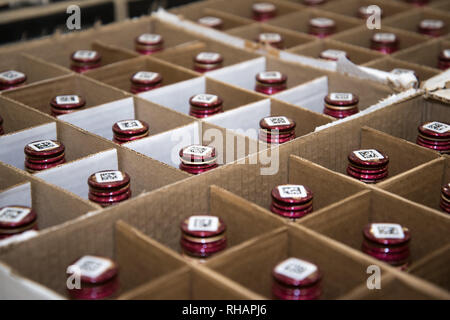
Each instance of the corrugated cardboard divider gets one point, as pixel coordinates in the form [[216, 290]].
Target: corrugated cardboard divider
[[119, 74], [345, 220], [422, 184], [39, 95], [16, 195], [356, 54]]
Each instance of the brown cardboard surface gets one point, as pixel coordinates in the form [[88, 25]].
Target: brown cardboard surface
[[389, 63], [298, 21], [39, 95], [183, 56], [345, 221], [424, 55], [350, 7], [423, 184], [119, 74], [290, 38], [356, 54], [17, 117]]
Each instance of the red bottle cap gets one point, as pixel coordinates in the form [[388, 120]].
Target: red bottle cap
[[321, 27], [435, 130], [292, 194], [130, 127], [146, 78], [263, 11], [386, 233], [341, 100], [445, 55], [203, 226], [11, 78], [446, 190], [68, 102], [149, 39], [196, 154], [271, 38], [297, 273], [44, 149], [211, 22], [271, 77], [108, 179], [86, 56], [205, 100], [16, 216], [332, 54], [279, 123], [384, 42], [208, 58], [94, 269], [432, 27], [368, 158]]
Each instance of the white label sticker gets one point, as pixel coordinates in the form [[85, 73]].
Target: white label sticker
[[11, 75], [277, 121], [108, 176], [90, 266], [130, 125], [67, 99], [368, 155], [431, 24], [292, 191], [332, 54], [384, 37], [199, 151], [85, 54], [295, 269], [387, 231], [263, 7], [438, 127], [446, 53], [210, 21], [203, 223], [205, 98], [145, 76], [269, 37], [270, 75], [149, 38], [13, 214], [341, 96], [400, 71], [43, 145], [208, 56], [322, 22]]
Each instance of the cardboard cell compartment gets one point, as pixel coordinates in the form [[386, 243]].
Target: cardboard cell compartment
[[140, 259], [345, 221], [39, 95], [389, 63], [100, 120], [361, 37], [290, 38], [9, 111], [252, 266], [35, 69], [425, 55], [422, 185], [350, 7], [357, 55], [410, 20], [299, 21], [184, 55]]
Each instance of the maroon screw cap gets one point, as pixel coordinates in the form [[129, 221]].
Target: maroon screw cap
[[44, 149], [273, 39], [292, 194], [144, 81], [384, 42], [280, 123], [205, 105], [11, 79], [445, 198], [368, 158], [207, 61], [108, 179], [85, 60], [434, 135], [341, 104], [444, 59], [196, 159], [64, 104], [432, 27], [263, 11], [211, 22], [149, 43], [386, 233], [322, 27], [16, 217], [270, 82]]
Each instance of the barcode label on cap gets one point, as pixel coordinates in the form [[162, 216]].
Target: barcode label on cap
[[437, 127], [341, 96], [270, 75], [13, 214], [431, 24], [149, 38], [388, 37], [205, 98], [295, 269], [85, 54], [90, 266], [203, 223], [67, 99], [446, 53], [263, 7], [370, 154], [276, 121], [208, 56], [322, 22], [269, 37], [11, 75], [43, 145], [108, 176], [200, 151], [387, 231], [130, 125], [292, 191], [145, 76], [333, 54], [210, 21]]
